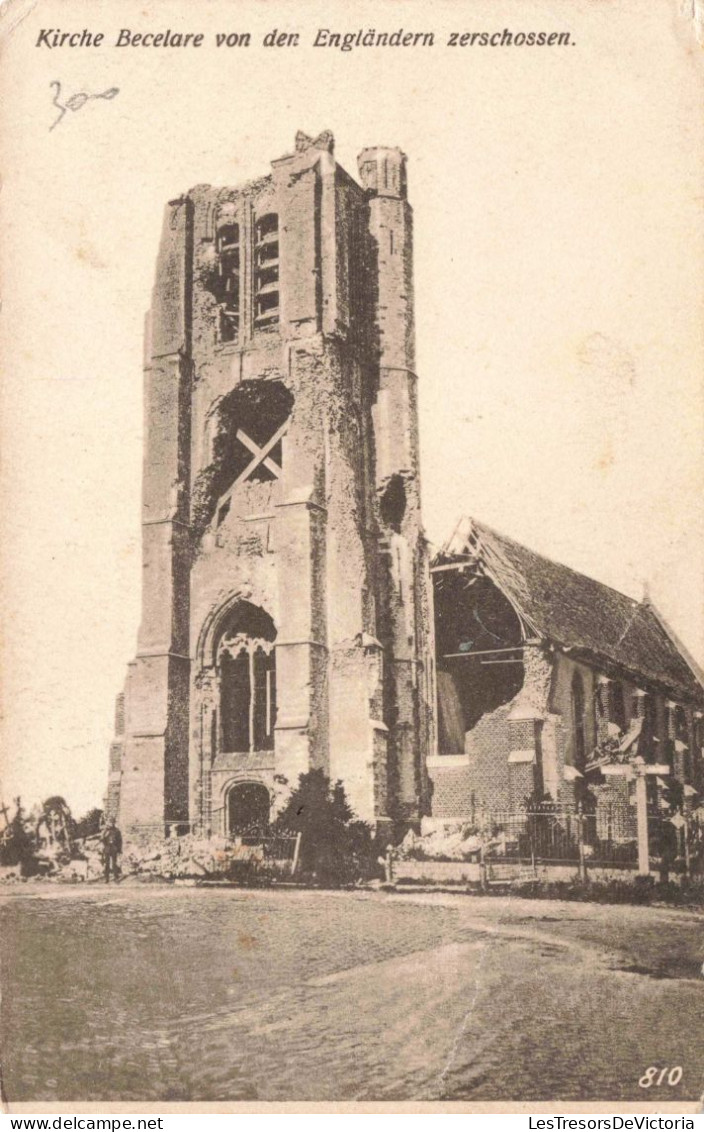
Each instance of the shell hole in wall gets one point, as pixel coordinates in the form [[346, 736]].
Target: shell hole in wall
[[479, 654], [247, 430], [392, 503]]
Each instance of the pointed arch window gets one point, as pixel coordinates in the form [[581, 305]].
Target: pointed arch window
[[698, 753], [618, 705], [247, 693], [266, 271], [651, 737], [246, 662], [680, 731], [579, 722]]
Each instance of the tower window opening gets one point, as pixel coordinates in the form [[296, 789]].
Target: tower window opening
[[247, 664], [228, 249], [266, 271]]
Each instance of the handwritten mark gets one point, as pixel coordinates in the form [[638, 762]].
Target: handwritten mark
[[76, 101]]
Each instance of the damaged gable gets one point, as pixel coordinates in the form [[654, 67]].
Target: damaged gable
[[574, 611], [479, 653], [550, 684]]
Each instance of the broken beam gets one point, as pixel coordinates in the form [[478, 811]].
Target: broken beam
[[483, 652], [453, 566]]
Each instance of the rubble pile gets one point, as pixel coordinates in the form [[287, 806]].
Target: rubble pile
[[452, 843], [190, 857], [86, 863], [9, 874], [83, 866], [174, 857], [48, 843]]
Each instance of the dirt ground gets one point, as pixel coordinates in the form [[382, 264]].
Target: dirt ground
[[156, 992]]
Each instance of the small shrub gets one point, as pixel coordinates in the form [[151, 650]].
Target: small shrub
[[336, 849], [18, 845], [90, 824]]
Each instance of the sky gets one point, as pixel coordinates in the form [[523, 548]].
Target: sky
[[559, 279]]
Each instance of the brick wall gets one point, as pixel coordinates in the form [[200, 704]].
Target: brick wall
[[452, 792], [116, 751], [488, 780], [488, 746]]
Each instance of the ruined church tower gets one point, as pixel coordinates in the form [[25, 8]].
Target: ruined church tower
[[285, 596]]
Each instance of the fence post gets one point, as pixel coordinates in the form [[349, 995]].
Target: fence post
[[389, 864], [642, 817], [482, 866], [580, 843], [482, 827], [685, 834], [296, 851]]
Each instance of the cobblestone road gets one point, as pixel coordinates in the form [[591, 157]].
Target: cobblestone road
[[165, 993]]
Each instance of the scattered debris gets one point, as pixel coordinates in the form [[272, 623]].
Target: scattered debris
[[190, 857], [459, 842], [45, 845]]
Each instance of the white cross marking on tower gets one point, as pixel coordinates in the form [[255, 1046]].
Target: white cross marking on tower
[[260, 454]]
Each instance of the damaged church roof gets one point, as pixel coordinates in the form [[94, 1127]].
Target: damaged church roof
[[574, 611]]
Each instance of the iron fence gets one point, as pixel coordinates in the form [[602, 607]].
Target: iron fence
[[258, 851], [562, 835], [605, 837]]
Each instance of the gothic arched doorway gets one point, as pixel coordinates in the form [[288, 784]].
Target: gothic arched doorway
[[248, 807]]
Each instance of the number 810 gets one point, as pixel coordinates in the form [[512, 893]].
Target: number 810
[[656, 1076]]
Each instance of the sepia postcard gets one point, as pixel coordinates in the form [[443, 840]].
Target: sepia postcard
[[353, 556]]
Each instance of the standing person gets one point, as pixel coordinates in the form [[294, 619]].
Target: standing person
[[112, 848]]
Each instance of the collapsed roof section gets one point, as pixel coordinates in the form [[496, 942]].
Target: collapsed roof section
[[576, 613]]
